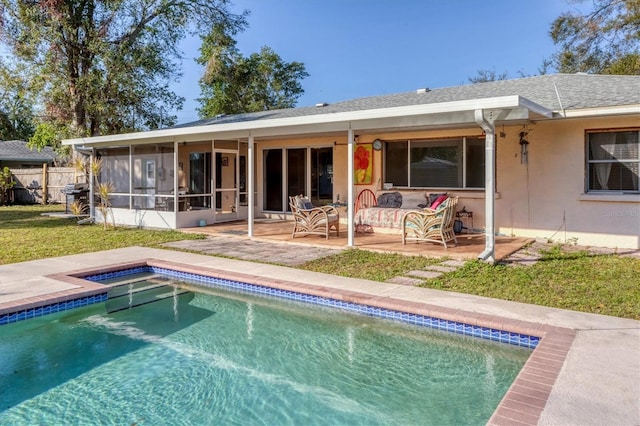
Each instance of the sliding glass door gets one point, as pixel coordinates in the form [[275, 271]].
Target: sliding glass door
[[321, 176], [294, 171], [272, 178]]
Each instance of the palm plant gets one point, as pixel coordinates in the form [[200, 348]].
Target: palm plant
[[104, 190]]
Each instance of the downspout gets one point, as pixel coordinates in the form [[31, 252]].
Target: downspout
[[350, 201], [488, 255], [250, 173]]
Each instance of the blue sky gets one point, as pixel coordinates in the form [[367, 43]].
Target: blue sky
[[358, 48]]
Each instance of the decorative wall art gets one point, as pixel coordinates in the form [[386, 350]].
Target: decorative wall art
[[363, 164]]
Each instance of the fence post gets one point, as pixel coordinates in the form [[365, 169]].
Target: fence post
[[44, 184]]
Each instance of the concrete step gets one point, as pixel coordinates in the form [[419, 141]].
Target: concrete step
[[425, 274], [454, 263], [404, 281], [440, 268]]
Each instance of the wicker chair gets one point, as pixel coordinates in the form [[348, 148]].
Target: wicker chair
[[313, 220], [366, 198], [435, 226]]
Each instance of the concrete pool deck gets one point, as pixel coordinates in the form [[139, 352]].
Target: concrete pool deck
[[597, 381]]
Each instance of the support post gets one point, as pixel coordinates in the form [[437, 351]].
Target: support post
[[45, 184], [250, 189], [350, 198], [176, 182], [92, 190]]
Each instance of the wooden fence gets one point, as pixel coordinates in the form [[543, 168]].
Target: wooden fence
[[43, 185]]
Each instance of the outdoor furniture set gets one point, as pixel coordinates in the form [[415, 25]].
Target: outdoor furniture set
[[419, 217]]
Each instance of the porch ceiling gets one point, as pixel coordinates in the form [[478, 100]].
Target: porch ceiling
[[507, 109]]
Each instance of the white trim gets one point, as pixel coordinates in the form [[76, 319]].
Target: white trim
[[605, 197], [604, 111], [310, 122]]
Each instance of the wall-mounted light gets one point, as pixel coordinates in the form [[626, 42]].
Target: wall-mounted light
[[524, 148]]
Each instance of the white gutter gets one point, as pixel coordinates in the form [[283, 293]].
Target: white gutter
[[503, 102], [487, 125], [599, 112]]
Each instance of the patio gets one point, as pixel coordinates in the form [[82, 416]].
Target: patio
[[469, 245]]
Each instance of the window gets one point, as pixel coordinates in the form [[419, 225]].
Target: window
[[613, 161], [444, 163], [396, 154], [115, 169]]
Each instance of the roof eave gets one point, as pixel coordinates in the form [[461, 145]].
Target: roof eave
[[33, 160], [603, 111], [329, 121]]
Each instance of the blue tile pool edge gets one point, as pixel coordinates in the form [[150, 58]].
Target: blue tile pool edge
[[51, 308], [487, 333]]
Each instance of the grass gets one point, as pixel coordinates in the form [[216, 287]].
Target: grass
[[368, 265], [603, 284], [27, 235]]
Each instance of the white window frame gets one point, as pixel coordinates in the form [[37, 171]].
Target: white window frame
[[589, 161], [463, 163]]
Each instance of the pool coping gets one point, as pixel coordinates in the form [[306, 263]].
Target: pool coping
[[523, 403]]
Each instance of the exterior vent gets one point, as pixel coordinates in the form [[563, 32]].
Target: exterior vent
[[321, 104], [425, 90]]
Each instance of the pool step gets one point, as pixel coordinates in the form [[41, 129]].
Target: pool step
[[118, 281], [125, 298], [132, 288]]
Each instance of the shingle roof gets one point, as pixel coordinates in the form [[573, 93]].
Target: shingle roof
[[18, 151], [576, 91]]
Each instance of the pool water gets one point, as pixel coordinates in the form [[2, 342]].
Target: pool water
[[217, 357]]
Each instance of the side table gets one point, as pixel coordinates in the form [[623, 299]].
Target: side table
[[467, 218]]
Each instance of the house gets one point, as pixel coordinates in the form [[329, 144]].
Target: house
[[551, 156], [17, 155]]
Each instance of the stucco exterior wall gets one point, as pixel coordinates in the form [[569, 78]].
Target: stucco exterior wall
[[546, 197], [543, 197]]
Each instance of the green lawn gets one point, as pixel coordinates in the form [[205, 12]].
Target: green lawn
[[604, 284], [27, 235]]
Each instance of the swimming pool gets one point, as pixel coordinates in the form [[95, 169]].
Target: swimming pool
[[216, 356]]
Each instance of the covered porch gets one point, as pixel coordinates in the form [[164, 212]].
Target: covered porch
[[468, 248], [242, 169]]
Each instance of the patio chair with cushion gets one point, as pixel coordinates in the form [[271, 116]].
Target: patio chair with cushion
[[433, 225], [310, 220]]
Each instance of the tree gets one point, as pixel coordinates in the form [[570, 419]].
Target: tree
[[234, 84], [50, 134], [605, 40], [16, 106], [485, 75], [103, 66]]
